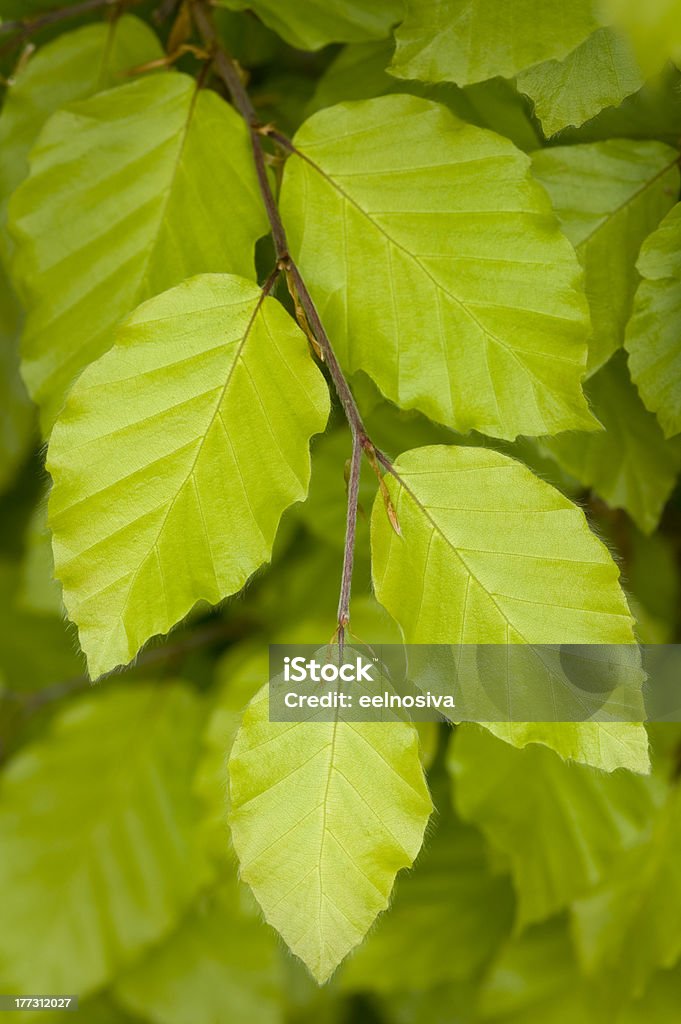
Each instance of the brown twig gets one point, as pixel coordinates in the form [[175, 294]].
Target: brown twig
[[349, 549], [229, 72]]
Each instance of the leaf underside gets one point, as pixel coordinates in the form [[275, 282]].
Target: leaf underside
[[445, 277], [323, 823], [142, 155], [174, 459]]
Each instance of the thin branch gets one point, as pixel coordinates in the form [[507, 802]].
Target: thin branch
[[229, 72], [345, 395], [350, 529], [26, 26], [282, 140]]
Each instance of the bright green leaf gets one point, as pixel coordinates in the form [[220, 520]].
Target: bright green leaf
[[174, 459], [653, 339], [599, 73], [492, 555], [560, 825], [103, 221], [315, 23], [629, 464], [466, 41], [651, 113], [221, 959], [444, 275], [323, 822], [603, 745], [495, 555], [96, 827], [72, 67], [608, 197]]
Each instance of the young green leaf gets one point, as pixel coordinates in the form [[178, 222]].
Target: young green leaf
[[652, 337], [104, 795], [466, 41], [322, 822], [174, 459], [608, 197], [122, 200], [603, 745], [599, 73], [495, 555], [523, 799], [491, 554], [316, 23], [629, 464], [72, 67], [445, 277], [651, 113]]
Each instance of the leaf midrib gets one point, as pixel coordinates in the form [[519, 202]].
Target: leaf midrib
[[485, 331], [216, 413], [630, 200], [436, 527]]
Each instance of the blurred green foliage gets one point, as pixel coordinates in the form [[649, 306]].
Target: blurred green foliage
[[546, 892]]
